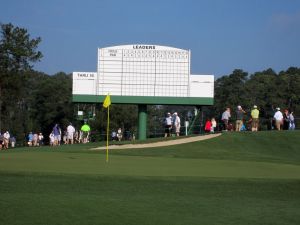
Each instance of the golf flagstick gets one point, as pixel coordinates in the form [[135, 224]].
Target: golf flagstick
[[106, 104], [107, 133]]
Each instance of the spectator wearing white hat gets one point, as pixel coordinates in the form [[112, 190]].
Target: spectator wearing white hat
[[177, 123], [255, 118], [239, 118], [168, 125], [278, 117]]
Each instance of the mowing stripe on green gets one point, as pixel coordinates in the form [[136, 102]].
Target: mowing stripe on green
[[81, 163]]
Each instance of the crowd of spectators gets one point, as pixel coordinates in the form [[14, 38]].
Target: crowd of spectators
[[172, 124], [281, 120], [5, 139], [57, 137], [70, 135]]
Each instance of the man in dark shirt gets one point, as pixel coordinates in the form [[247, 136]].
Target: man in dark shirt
[[239, 118]]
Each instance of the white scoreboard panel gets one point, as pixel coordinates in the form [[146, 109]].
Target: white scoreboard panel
[[84, 83], [143, 70]]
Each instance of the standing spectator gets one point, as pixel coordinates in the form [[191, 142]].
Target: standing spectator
[[85, 132], [114, 136], [255, 118], [80, 136], [213, 125], [119, 134], [56, 133], [177, 123], [286, 121], [65, 137], [278, 117], [1, 140], [292, 121], [35, 139], [51, 139], [6, 137], [30, 137], [12, 141], [207, 127], [59, 136], [70, 132], [76, 137], [225, 118], [239, 118], [168, 125], [40, 139]]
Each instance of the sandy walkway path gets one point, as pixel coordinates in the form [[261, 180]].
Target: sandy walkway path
[[161, 143]]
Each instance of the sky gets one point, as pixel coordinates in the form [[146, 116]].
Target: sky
[[222, 35]]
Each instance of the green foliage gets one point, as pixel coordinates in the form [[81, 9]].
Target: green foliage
[[51, 102], [230, 90], [265, 89], [17, 52], [17, 49]]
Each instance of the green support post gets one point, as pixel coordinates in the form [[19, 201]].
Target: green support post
[[142, 129]]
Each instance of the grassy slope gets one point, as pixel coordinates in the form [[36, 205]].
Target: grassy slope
[[254, 180], [279, 147]]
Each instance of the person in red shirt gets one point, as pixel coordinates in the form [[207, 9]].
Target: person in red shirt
[[207, 126]]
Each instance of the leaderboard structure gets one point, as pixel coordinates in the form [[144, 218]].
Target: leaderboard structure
[[142, 75]]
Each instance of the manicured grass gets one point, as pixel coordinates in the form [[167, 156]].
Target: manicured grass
[[42, 199], [266, 146], [245, 178]]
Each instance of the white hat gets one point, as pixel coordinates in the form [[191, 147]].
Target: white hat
[[254, 106], [239, 107], [175, 113], [278, 109]]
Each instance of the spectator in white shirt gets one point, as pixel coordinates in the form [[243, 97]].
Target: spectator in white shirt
[[177, 124], [6, 137], [70, 134], [225, 118], [278, 117], [168, 125]]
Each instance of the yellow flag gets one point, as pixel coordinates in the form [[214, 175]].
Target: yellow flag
[[107, 101], [106, 104]]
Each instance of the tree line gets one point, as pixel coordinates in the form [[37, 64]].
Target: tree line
[[34, 101]]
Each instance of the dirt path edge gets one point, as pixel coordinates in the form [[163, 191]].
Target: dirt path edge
[[161, 143]]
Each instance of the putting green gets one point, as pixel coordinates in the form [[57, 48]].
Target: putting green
[[122, 165]]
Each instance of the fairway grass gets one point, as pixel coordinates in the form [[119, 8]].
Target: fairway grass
[[112, 200], [245, 178]]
